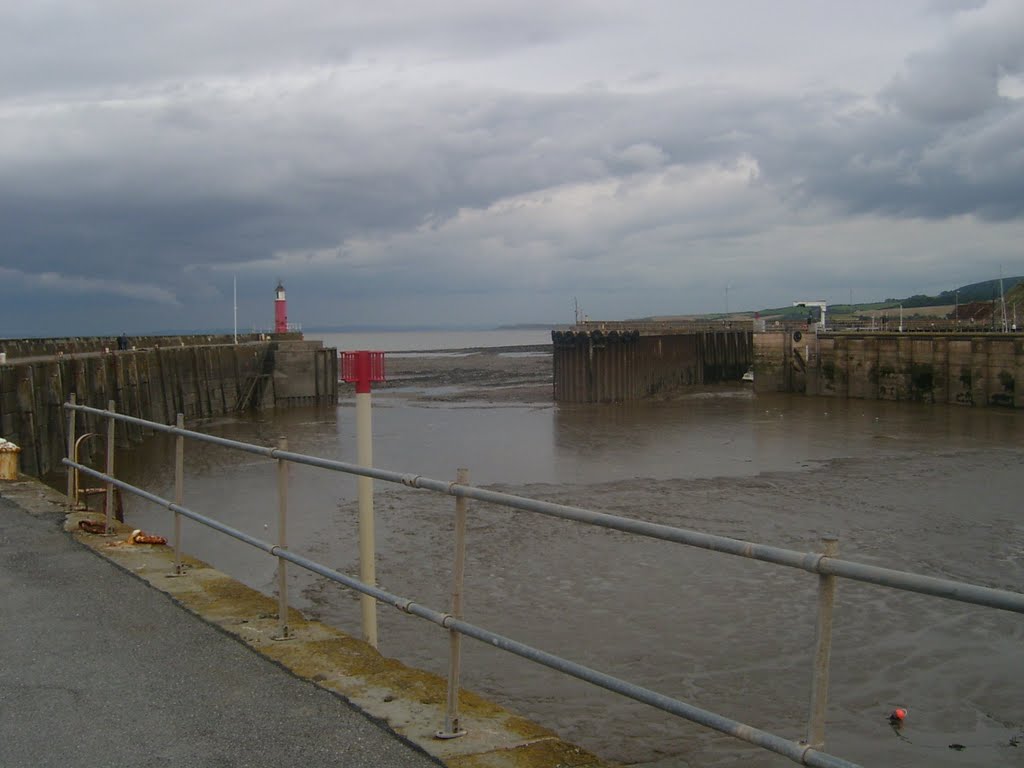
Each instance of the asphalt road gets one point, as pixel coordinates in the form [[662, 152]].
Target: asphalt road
[[99, 669]]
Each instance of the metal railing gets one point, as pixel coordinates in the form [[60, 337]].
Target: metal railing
[[826, 564]]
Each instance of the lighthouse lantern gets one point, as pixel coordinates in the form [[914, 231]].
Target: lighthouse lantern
[[280, 309]]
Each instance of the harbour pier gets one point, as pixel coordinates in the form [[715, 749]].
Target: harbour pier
[[611, 362]]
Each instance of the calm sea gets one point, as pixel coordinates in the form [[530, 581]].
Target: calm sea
[[409, 341]]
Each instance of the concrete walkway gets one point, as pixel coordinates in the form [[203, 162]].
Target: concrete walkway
[[97, 668]]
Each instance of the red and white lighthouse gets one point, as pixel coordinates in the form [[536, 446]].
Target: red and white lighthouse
[[280, 309]]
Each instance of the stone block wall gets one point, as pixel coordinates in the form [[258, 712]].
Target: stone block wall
[[965, 369], [155, 384]]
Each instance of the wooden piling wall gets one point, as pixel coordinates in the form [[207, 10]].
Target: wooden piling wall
[[595, 366]]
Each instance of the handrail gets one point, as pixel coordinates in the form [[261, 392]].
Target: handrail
[[800, 753], [813, 562], [823, 564]]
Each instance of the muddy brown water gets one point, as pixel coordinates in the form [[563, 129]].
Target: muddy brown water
[[930, 489]]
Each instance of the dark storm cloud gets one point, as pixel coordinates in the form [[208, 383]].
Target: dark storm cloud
[[885, 163], [155, 151], [949, 145]]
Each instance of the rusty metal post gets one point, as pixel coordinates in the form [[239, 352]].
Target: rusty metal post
[[451, 715], [179, 490], [111, 407], [72, 491], [282, 542], [823, 650]]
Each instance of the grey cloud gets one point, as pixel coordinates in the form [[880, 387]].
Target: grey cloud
[[236, 193], [62, 47], [889, 164], [960, 79], [954, 6], [164, 176]]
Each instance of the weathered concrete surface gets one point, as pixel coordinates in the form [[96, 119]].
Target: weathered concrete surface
[[305, 373], [99, 670], [18, 348], [955, 368], [123, 672]]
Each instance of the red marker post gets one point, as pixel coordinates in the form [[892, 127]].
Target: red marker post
[[363, 368]]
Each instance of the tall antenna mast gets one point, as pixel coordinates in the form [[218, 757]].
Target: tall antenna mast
[[1002, 298]]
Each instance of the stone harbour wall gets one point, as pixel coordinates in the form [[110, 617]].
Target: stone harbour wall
[[154, 383], [965, 369]]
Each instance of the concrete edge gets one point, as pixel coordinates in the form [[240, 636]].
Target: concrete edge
[[407, 701]]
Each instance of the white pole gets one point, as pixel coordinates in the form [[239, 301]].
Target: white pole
[[1002, 297], [282, 542], [109, 525], [235, 281], [367, 566], [72, 491], [901, 318], [179, 490], [451, 717], [823, 651]]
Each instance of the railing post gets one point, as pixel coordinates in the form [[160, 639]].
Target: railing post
[[282, 542], [108, 527], [179, 489], [72, 491], [451, 716], [367, 546], [823, 650]]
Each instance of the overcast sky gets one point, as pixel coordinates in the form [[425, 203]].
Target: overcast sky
[[478, 162]]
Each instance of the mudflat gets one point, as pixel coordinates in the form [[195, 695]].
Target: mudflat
[[488, 374]]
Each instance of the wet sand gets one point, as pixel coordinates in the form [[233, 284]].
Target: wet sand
[[930, 489], [493, 375]]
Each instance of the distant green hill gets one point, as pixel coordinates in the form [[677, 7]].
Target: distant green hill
[[1013, 289], [984, 291]]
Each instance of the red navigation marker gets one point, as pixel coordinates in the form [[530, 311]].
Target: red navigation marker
[[362, 368]]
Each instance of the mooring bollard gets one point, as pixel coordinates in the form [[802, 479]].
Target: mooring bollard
[[451, 717], [822, 651], [8, 460]]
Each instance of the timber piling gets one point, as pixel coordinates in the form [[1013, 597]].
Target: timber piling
[[617, 362]]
